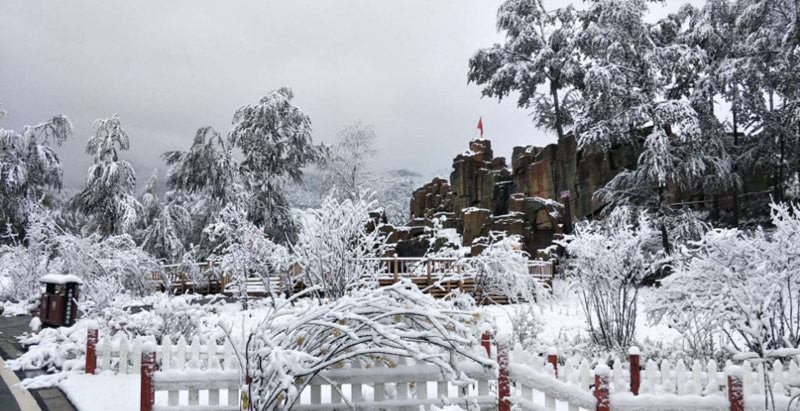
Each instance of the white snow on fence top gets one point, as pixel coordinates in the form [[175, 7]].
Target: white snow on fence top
[[60, 279], [634, 350]]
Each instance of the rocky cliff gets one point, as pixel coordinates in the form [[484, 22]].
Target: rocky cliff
[[528, 199]]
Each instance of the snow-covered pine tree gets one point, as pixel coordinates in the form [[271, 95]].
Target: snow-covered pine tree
[[626, 101], [770, 32], [274, 136], [346, 163], [109, 194], [713, 28], [540, 50], [164, 225], [29, 166]]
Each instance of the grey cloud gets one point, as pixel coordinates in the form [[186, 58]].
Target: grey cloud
[[170, 67]]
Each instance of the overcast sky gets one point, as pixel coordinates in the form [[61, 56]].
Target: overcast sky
[[170, 67]]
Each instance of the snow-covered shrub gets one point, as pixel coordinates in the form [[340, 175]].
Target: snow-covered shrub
[[501, 269], [246, 251], [372, 326], [609, 259], [163, 317], [335, 250], [108, 266], [744, 285], [526, 324]]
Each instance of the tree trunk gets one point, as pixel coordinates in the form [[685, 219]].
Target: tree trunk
[[662, 223], [557, 186], [735, 190]]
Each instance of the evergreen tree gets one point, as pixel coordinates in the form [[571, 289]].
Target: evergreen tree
[[626, 100]]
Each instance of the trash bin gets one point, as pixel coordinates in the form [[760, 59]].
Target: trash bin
[[59, 301]]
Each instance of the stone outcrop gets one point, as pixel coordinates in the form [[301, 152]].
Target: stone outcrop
[[431, 198], [484, 195]]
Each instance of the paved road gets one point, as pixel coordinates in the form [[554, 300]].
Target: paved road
[[51, 399]]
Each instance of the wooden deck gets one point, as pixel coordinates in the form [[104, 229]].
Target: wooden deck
[[427, 274]]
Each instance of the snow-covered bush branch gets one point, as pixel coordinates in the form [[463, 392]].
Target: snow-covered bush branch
[[609, 260], [374, 327], [501, 269], [744, 285], [246, 251], [335, 249]]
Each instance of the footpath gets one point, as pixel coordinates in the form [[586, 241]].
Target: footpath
[[12, 397]]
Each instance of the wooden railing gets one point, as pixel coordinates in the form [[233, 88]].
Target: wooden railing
[[425, 272]]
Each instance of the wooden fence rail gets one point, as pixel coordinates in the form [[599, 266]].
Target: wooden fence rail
[[424, 272], [520, 379]]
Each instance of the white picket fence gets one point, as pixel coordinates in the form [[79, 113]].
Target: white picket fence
[[185, 371], [208, 376], [410, 385], [664, 386]]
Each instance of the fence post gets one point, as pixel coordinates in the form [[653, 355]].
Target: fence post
[[636, 378], [552, 358], [486, 343], [601, 394], [503, 383], [91, 346], [148, 396], [735, 391]]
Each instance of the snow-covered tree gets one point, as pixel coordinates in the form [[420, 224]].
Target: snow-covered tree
[[609, 260], [372, 327], [773, 41], [207, 168], [274, 137], [540, 49], [246, 251], [743, 285], [109, 194], [335, 250], [164, 225], [29, 166], [626, 101], [393, 190], [204, 179], [347, 164]]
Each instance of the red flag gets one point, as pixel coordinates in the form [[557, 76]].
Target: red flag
[[480, 125]]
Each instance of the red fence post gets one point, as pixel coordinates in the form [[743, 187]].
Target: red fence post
[[636, 378], [735, 391], [503, 383], [601, 393], [487, 344], [148, 368], [91, 354], [552, 358]]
